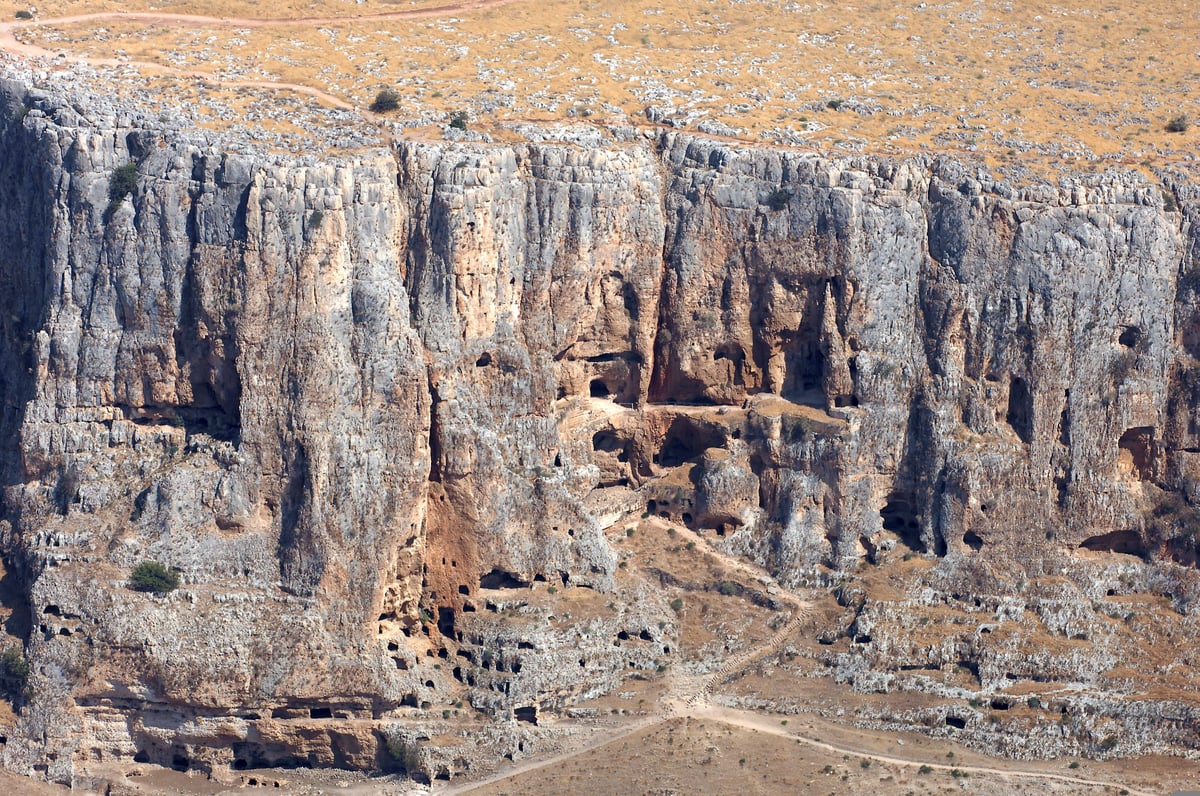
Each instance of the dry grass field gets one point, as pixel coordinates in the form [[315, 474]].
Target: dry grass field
[[1077, 81]]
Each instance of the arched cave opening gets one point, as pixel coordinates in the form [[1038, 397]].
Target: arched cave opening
[[973, 540], [1020, 409], [900, 517], [500, 579], [1127, 542], [1130, 336], [685, 441], [1137, 452], [805, 363]]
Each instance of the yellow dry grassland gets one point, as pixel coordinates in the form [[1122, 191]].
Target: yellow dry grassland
[[1073, 81]]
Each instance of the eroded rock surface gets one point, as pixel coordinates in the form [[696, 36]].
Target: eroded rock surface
[[373, 409]]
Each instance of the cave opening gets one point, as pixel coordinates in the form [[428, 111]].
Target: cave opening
[[973, 540], [805, 374], [1130, 336], [900, 517], [527, 714], [598, 389], [1128, 542], [1020, 409], [1136, 452], [606, 441], [501, 579], [686, 441], [445, 621]]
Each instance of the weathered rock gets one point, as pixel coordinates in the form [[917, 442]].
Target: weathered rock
[[344, 400]]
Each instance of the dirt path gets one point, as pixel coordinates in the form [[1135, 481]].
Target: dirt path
[[10, 43], [687, 696], [753, 721], [180, 20]]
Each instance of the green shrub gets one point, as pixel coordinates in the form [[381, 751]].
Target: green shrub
[[835, 104], [925, 770], [14, 666], [121, 183], [1178, 124], [1033, 702], [404, 755], [727, 588], [458, 120], [629, 531], [152, 576], [387, 100], [23, 14], [677, 604]]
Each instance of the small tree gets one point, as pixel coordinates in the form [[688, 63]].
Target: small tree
[[404, 755], [1178, 124], [14, 675], [458, 120], [152, 576], [122, 183], [387, 100], [15, 667]]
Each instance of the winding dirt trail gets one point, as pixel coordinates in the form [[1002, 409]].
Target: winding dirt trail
[[687, 696], [10, 43]]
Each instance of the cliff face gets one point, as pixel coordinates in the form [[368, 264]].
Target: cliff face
[[345, 399]]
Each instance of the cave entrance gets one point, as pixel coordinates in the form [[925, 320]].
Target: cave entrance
[[1128, 542], [686, 440], [900, 517], [1020, 409], [1136, 452], [805, 378], [607, 441], [445, 622], [500, 579]]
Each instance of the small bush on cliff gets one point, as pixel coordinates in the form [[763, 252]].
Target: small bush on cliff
[[122, 183], [14, 676], [15, 669], [404, 755], [152, 576], [387, 100]]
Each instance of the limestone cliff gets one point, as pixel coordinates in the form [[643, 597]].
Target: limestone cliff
[[350, 400]]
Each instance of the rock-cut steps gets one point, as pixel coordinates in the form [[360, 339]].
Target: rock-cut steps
[[743, 659]]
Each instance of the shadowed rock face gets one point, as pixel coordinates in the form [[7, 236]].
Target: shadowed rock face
[[336, 395]]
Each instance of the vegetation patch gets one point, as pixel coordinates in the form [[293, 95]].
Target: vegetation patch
[[151, 576]]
